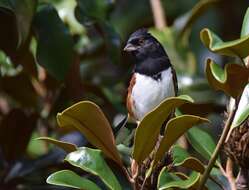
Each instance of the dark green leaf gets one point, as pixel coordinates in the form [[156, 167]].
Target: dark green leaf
[[67, 178], [179, 154], [55, 45], [204, 145], [91, 160]]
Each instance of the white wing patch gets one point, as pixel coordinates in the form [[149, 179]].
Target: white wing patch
[[147, 93]]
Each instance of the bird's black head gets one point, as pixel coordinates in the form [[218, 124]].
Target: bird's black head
[[149, 54]]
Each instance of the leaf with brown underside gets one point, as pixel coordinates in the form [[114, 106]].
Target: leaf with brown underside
[[68, 147], [226, 80], [149, 128], [89, 119], [174, 129]]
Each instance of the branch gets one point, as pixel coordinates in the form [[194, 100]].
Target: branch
[[229, 171], [158, 14], [217, 149]]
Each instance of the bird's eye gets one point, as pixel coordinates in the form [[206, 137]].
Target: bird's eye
[[141, 41]]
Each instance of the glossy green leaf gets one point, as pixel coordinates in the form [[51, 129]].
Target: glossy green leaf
[[237, 47], [245, 25], [89, 119], [55, 45], [149, 128], [67, 178], [175, 128], [242, 112], [204, 145], [168, 180], [226, 79], [91, 160], [68, 147]]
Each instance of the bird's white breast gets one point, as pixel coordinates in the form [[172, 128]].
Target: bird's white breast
[[147, 92]]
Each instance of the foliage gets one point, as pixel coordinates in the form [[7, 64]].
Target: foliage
[[66, 55]]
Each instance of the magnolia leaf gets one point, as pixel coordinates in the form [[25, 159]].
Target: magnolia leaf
[[245, 25], [235, 48], [168, 180], [89, 119], [149, 128], [175, 128], [55, 45], [91, 160], [193, 164], [228, 78], [242, 112], [68, 147], [67, 178], [204, 145], [182, 158], [179, 154]]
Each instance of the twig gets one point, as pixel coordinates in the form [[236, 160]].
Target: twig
[[158, 14], [217, 149], [229, 172]]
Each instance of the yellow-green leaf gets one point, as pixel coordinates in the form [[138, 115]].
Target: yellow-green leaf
[[238, 47], [149, 128], [226, 80], [174, 129], [89, 119], [168, 180], [68, 147]]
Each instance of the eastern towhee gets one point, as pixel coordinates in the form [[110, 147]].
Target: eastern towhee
[[153, 79]]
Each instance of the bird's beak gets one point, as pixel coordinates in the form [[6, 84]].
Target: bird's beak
[[129, 47]]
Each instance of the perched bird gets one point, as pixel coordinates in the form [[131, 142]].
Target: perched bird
[[153, 79]]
